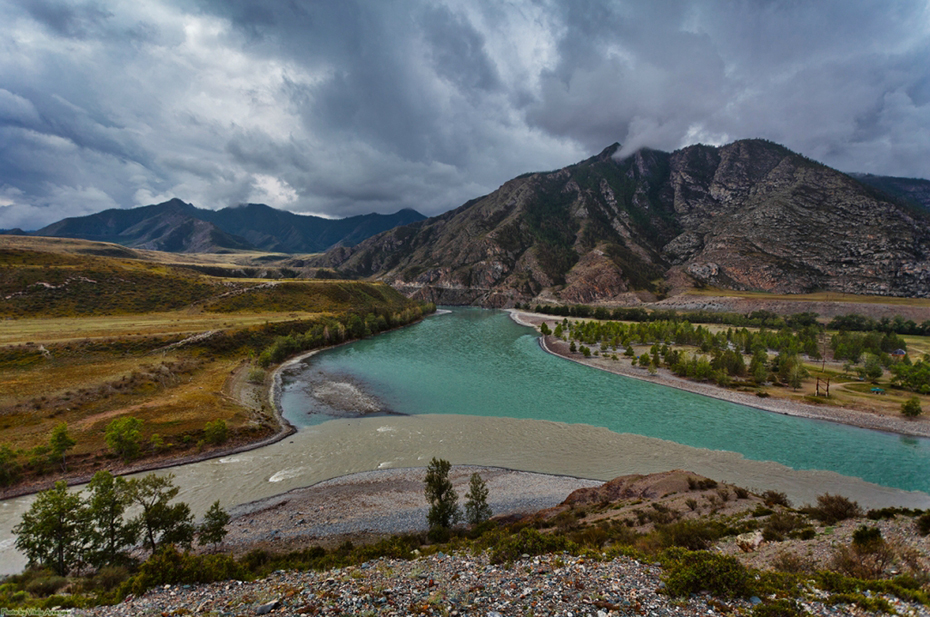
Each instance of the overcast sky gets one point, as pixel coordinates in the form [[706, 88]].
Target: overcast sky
[[338, 107]]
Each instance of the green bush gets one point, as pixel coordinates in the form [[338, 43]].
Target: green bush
[[832, 509], [923, 523], [779, 608], [695, 571], [911, 407], [527, 541], [216, 432], [694, 535], [780, 524], [169, 567], [866, 538], [46, 585]]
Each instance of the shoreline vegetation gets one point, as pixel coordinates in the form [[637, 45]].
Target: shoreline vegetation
[[919, 427]]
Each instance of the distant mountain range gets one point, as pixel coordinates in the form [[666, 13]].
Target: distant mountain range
[[751, 215], [179, 227]]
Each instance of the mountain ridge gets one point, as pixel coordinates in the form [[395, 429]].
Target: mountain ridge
[[176, 226], [751, 215]]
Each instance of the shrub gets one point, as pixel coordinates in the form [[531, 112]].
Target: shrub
[[779, 608], [792, 563], [775, 498], [695, 571], [256, 376], [702, 484], [923, 523], [866, 539], [527, 542], [781, 524], [831, 509], [693, 535], [46, 585], [215, 432], [169, 567], [110, 577], [911, 407]]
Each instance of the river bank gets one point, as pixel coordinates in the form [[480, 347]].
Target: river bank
[[374, 504], [917, 427]]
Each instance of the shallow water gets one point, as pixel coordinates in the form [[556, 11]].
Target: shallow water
[[478, 362], [341, 447]]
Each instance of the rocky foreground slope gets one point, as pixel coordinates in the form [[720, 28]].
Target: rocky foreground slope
[[613, 526], [751, 215]]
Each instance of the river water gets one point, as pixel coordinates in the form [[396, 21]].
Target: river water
[[474, 388]]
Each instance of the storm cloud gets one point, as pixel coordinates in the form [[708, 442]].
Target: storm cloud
[[342, 108]]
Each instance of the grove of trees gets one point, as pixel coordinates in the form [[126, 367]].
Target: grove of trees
[[444, 511], [65, 530]]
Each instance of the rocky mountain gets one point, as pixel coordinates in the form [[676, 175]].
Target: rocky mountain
[[750, 215], [179, 227]]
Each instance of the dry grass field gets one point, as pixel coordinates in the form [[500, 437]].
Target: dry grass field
[[91, 332]]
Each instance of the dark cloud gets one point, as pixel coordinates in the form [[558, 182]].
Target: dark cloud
[[342, 108]]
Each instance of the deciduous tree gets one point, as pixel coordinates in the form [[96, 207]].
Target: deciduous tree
[[123, 436], [53, 532], [60, 442], [109, 535], [159, 521]]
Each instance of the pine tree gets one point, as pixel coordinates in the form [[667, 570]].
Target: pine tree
[[444, 508], [213, 528], [477, 509]]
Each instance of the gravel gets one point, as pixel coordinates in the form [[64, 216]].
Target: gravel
[[458, 584]]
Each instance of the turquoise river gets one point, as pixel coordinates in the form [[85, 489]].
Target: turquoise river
[[480, 363]]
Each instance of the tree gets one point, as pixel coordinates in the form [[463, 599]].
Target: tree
[[53, 531], [872, 367], [443, 500], [160, 522], [109, 535], [477, 509], [216, 432], [123, 436], [213, 528], [60, 442], [911, 407]]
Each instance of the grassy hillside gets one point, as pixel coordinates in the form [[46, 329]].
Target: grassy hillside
[[87, 339]]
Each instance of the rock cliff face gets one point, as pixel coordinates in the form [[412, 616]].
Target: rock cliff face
[[751, 215]]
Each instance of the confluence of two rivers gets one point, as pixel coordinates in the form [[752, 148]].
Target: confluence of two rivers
[[472, 386]]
